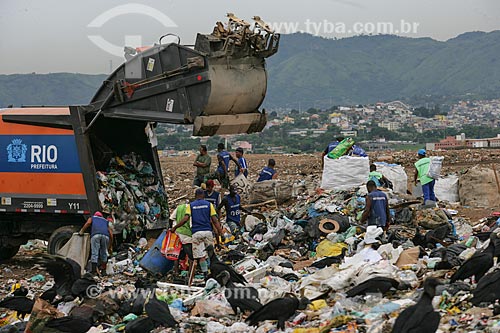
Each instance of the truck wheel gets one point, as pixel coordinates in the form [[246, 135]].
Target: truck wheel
[[7, 252], [59, 237]]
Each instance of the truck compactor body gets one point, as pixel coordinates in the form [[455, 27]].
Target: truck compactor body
[[54, 161]]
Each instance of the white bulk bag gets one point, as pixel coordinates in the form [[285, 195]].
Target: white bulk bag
[[345, 172], [396, 174], [446, 189]]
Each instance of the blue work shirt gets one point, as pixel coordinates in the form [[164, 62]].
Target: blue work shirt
[[243, 162], [201, 212], [99, 226], [213, 198], [266, 174], [378, 211], [225, 158], [233, 211]]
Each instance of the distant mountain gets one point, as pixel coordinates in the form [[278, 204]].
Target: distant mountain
[[313, 71], [48, 89], [319, 71]]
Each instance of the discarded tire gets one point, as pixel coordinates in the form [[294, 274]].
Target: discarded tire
[[59, 237], [7, 252]]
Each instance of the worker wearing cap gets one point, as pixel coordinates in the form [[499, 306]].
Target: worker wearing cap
[[243, 166], [203, 219], [211, 195], [421, 169], [101, 240]]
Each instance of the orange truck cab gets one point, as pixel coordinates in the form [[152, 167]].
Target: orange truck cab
[[48, 165]]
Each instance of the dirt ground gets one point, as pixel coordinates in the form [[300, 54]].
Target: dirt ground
[[179, 171]]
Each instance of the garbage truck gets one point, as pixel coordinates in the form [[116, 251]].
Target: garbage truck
[[58, 165]]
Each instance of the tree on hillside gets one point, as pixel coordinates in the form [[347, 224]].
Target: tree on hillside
[[429, 113]]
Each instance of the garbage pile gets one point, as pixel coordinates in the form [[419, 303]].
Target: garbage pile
[[306, 266], [130, 190], [312, 261]]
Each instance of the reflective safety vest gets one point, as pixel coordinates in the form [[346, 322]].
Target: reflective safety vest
[[422, 166], [376, 177]]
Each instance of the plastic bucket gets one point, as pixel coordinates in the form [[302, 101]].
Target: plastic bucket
[[153, 261]]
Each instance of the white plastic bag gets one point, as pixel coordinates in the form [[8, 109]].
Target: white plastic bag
[[435, 167], [242, 184]]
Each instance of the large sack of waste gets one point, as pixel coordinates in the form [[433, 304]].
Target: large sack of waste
[[446, 189], [431, 218], [396, 174], [77, 248], [242, 184], [344, 173], [271, 189], [478, 187]]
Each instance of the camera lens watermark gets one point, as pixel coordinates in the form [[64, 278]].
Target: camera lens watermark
[[93, 291], [129, 40]]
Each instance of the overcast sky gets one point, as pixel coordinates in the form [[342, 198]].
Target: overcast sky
[[80, 36]]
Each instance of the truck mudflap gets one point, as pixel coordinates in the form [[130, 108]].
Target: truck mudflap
[[223, 79]]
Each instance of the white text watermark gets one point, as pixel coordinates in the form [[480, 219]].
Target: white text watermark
[[326, 27]]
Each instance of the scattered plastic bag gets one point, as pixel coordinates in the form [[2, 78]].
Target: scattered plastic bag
[[171, 246], [341, 149], [329, 249]]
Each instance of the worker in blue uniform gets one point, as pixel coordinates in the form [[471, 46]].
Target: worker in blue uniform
[[268, 172]]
